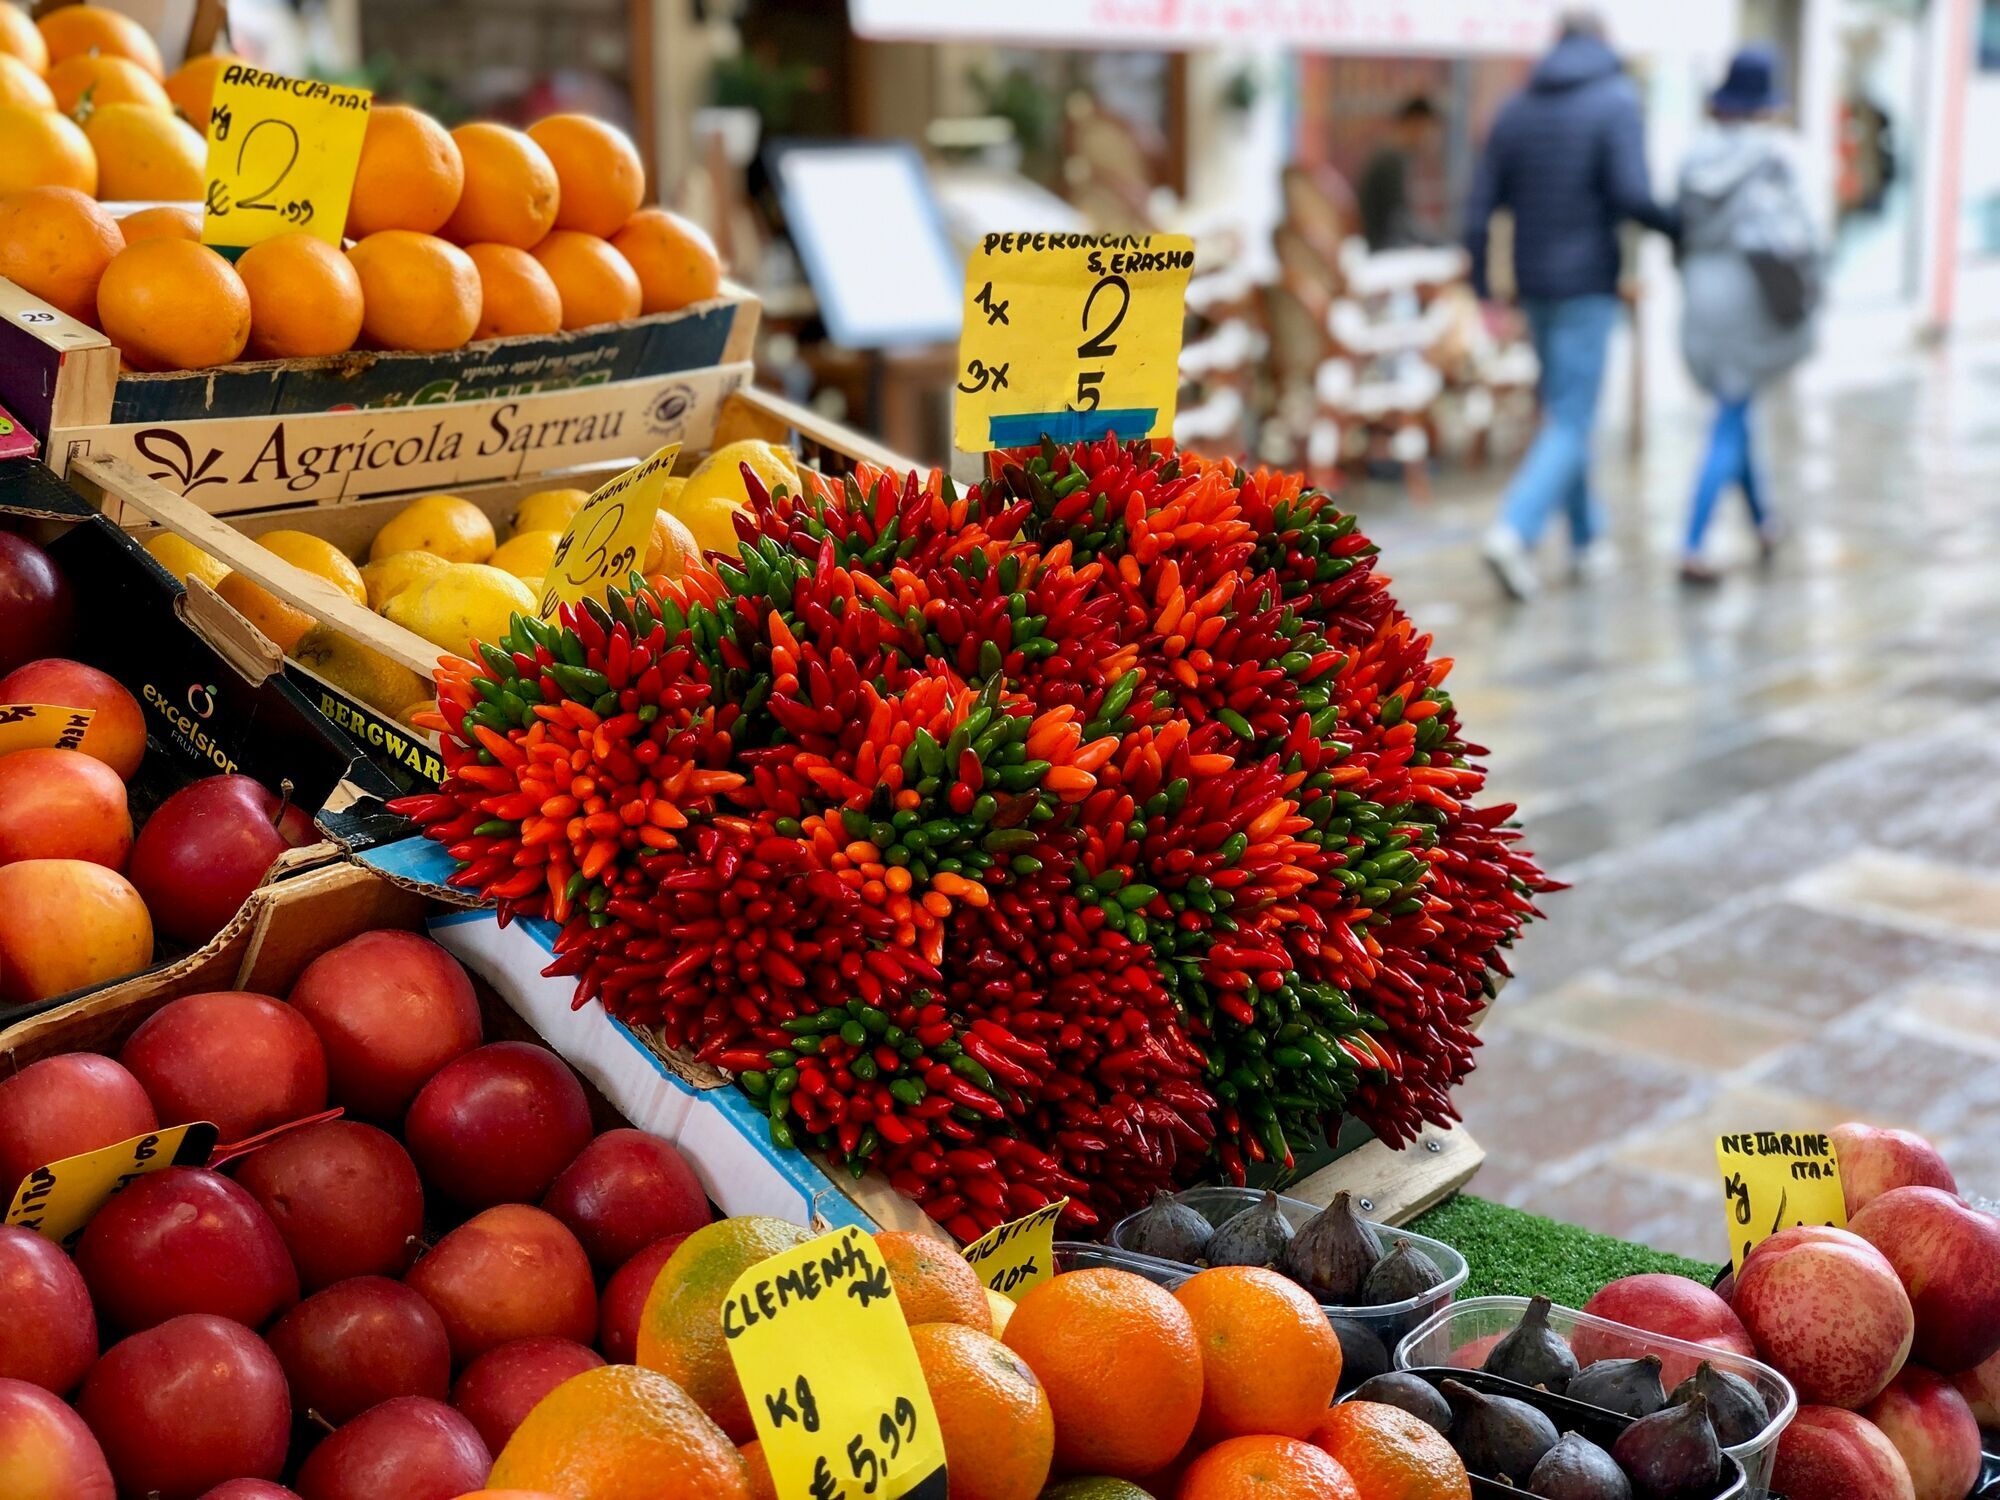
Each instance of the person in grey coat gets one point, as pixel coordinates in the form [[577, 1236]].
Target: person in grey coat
[[1750, 284]]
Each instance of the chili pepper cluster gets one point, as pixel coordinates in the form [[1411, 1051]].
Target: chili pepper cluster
[[1100, 828]]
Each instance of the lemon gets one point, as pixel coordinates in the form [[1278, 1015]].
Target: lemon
[[548, 510], [185, 560], [1002, 1307], [460, 604], [670, 490], [319, 557], [285, 623], [526, 554], [455, 529], [360, 671], [708, 501], [387, 578], [671, 548]]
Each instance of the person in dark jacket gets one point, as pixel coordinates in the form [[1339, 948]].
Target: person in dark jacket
[[1388, 221], [1567, 155]]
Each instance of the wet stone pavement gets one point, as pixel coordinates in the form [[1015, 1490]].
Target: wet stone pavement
[[1778, 801]]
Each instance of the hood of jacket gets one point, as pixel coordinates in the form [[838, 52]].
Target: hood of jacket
[[1572, 62], [1722, 158]]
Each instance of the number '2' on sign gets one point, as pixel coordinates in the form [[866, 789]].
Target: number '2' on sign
[[282, 154]]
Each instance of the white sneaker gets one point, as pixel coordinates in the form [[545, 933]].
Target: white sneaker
[[1507, 555], [1595, 560]]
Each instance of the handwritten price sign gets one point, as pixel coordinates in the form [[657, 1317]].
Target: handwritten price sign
[[41, 726], [282, 153], [1071, 336], [605, 541], [1020, 1254], [835, 1388], [1774, 1180], [57, 1201]]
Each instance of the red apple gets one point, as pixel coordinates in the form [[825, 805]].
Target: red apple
[[500, 1388], [1827, 1311], [117, 732], [344, 1195], [250, 1489], [1980, 1386], [1874, 1160], [625, 1298], [65, 1106], [625, 1190], [244, 1061], [392, 1008], [1933, 1428], [1661, 1303], [1826, 1453], [412, 1448], [48, 1333], [46, 1451], [206, 848], [182, 1407], [510, 1273], [66, 924], [57, 804], [186, 1240], [358, 1344], [36, 607], [498, 1124], [1948, 1255]]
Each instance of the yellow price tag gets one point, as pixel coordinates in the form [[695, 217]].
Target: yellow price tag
[[832, 1377], [1772, 1181], [1071, 336], [42, 726], [281, 156], [606, 540], [57, 1201], [1021, 1253]]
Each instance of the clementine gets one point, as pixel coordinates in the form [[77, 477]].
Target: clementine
[[145, 153], [169, 305], [599, 171], [933, 1282], [1267, 1468], [1391, 1454], [74, 30], [674, 258], [192, 86], [21, 84], [409, 177], [511, 191], [417, 291], [44, 149], [594, 281], [1270, 1360], [163, 221], [516, 295], [92, 80], [19, 39], [56, 242], [305, 297], [999, 1435], [620, 1433]]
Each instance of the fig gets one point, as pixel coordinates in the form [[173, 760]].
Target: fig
[[1333, 1252], [1534, 1353], [1673, 1454], [1577, 1469], [1497, 1436], [1412, 1393], [1255, 1237], [1169, 1229], [1736, 1408], [1630, 1387], [1405, 1272], [1363, 1355]]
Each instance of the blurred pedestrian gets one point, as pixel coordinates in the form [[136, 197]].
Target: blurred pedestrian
[[1388, 222], [1750, 273], [1568, 156]]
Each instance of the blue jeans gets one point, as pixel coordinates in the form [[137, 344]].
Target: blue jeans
[[1730, 461], [1571, 335]]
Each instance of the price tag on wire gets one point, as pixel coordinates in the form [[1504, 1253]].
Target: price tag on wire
[[605, 541], [1774, 1180], [1020, 1254], [833, 1381], [42, 726], [58, 1200], [1070, 336], [282, 154]]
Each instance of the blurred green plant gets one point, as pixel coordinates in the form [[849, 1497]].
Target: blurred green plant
[[773, 90], [1028, 104]]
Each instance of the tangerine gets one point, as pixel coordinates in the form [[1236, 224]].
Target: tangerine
[[598, 169], [55, 242], [516, 295], [933, 1282], [102, 79], [417, 291], [1266, 1468], [999, 1435], [761, 1485], [511, 190], [169, 305], [19, 39], [19, 83], [145, 153], [620, 1433], [594, 281], [1391, 1454], [44, 149], [673, 257], [1270, 1360], [192, 86], [409, 176], [163, 221], [1118, 1357], [76, 30], [305, 297], [283, 622]]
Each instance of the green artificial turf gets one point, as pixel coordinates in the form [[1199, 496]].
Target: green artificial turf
[[1517, 1254]]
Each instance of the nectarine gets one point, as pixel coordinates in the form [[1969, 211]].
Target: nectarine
[[66, 924], [57, 804], [117, 732]]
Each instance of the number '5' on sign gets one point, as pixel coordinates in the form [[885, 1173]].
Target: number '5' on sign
[[282, 154]]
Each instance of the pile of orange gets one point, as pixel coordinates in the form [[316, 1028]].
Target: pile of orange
[[480, 232]]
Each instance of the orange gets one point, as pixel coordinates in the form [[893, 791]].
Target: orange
[[933, 1282], [101, 80], [44, 149], [761, 1485], [192, 86], [1269, 1359], [620, 1433], [1391, 1454], [417, 291], [56, 242], [1267, 1468], [145, 153], [999, 1436], [169, 305], [77, 29], [165, 221], [305, 297], [674, 258], [1118, 1357], [594, 281], [20, 39], [285, 623], [680, 1328], [602, 179], [515, 293], [511, 191], [19, 83], [409, 177]]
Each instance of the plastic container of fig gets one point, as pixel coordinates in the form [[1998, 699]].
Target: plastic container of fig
[[1594, 1422], [1077, 1255], [1459, 1337], [1357, 1326]]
